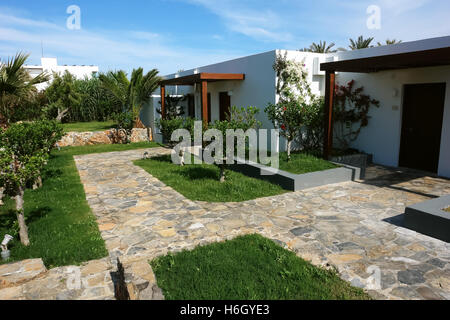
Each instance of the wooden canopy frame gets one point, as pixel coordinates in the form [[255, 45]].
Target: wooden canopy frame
[[417, 59], [201, 78]]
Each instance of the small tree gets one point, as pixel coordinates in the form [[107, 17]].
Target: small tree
[[23, 155], [293, 91], [172, 107], [62, 95], [167, 126], [351, 112], [238, 119]]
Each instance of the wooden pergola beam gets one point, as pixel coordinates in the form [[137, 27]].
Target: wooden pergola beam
[[330, 82]]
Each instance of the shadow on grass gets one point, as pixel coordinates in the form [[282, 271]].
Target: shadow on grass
[[38, 214], [51, 173], [199, 173]]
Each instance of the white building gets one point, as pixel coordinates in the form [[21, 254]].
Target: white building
[[411, 80], [50, 65]]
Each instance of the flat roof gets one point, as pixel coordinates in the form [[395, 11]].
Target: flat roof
[[415, 54]]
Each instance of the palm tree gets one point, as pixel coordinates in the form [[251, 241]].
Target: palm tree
[[389, 42], [131, 94], [360, 43], [320, 48], [16, 85]]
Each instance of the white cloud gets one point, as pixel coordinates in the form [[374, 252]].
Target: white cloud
[[259, 24]]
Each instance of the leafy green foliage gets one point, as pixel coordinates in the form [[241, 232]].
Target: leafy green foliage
[[24, 151], [172, 107], [389, 42], [168, 125], [351, 112], [295, 100], [131, 94], [361, 43], [247, 268], [62, 95], [320, 47], [16, 86]]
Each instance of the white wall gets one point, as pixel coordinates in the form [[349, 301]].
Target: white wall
[[383, 134], [50, 65], [258, 88]]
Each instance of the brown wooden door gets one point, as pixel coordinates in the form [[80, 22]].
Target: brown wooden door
[[224, 105], [423, 112]]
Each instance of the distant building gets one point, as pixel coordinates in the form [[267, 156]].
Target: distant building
[[50, 65]]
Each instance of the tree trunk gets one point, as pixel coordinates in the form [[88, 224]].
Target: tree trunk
[[182, 157], [23, 230], [61, 114], [289, 143], [38, 183], [1, 196], [222, 173]]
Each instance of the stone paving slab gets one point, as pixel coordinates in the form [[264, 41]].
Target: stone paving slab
[[14, 274], [354, 227]]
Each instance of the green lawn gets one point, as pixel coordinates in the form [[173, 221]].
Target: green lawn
[[62, 228], [247, 268], [201, 182], [88, 126], [303, 163]]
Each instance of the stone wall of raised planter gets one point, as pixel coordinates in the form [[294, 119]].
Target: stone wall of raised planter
[[296, 182], [101, 137], [359, 160], [429, 218]]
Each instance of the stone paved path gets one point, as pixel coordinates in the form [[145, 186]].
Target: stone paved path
[[354, 227]]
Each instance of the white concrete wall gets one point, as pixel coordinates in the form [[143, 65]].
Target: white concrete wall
[[258, 88], [383, 134], [50, 65]]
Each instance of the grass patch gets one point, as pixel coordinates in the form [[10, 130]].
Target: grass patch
[[247, 268], [304, 163], [62, 228], [88, 126], [201, 182]]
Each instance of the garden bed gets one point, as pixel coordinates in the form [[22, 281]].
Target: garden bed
[[317, 173], [247, 268], [201, 181], [431, 218]]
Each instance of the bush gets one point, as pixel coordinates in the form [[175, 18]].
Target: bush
[[24, 151], [124, 126], [167, 126]]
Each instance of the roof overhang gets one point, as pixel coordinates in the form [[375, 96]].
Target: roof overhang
[[200, 77], [416, 59]]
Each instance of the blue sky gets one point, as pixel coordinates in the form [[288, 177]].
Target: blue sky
[[181, 34]]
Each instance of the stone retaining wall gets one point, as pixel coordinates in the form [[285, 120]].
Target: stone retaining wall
[[101, 137]]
